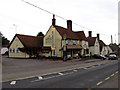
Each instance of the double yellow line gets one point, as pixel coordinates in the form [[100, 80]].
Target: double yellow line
[[107, 78]]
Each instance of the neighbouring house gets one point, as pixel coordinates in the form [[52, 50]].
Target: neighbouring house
[[115, 48], [109, 49], [97, 46], [103, 46], [25, 46], [64, 42], [94, 46]]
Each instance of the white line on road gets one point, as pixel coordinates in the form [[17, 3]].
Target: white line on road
[[40, 78], [61, 73], [75, 70], [85, 68], [13, 82]]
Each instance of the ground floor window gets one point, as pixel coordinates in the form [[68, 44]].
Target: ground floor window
[[45, 51], [13, 50], [87, 51], [75, 51], [10, 50], [17, 51], [53, 52]]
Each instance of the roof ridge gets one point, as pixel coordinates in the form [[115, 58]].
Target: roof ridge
[[28, 35], [25, 35], [60, 27]]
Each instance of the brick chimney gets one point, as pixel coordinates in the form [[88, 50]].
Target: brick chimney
[[69, 25], [90, 33], [53, 20], [98, 36]]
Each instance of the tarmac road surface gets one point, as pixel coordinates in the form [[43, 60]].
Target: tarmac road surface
[[92, 76]]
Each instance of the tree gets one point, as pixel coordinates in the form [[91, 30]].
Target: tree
[[40, 34], [5, 41]]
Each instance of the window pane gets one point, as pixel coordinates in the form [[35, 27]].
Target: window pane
[[13, 50]]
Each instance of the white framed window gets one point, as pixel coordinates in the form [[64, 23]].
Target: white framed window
[[10, 50], [74, 42], [13, 50], [17, 51]]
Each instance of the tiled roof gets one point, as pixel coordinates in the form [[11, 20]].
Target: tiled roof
[[31, 41], [114, 47], [71, 34], [81, 35], [91, 40]]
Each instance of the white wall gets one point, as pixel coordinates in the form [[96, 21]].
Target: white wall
[[96, 47], [104, 50]]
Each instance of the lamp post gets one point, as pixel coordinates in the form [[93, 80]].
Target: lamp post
[[15, 28]]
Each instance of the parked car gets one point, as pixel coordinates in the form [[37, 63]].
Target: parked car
[[112, 57], [97, 56]]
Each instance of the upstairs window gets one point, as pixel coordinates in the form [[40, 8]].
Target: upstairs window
[[78, 42], [74, 42]]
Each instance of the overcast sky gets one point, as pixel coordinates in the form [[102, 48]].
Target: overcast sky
[[100, 16]]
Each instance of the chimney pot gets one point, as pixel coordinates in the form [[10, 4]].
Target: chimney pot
[[69, 25], [90, 33], [98, 36], [53, 20]]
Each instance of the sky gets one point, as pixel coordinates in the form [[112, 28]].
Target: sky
[[98, 16]]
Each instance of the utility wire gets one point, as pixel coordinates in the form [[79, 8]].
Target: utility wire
[[43, 9], [62, 17]]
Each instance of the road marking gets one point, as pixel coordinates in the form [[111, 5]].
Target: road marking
[[85, 68], [99, 83], [116, 72], [89, 88], [13, 82], [75, 70], [112, 74], [40, 78], [61, 73], [93, 66], [107, 78]]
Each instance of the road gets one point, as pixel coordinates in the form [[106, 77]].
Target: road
[[22, 68], [92, 76]]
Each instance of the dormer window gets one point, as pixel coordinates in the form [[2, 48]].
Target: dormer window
[[74, 42]]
